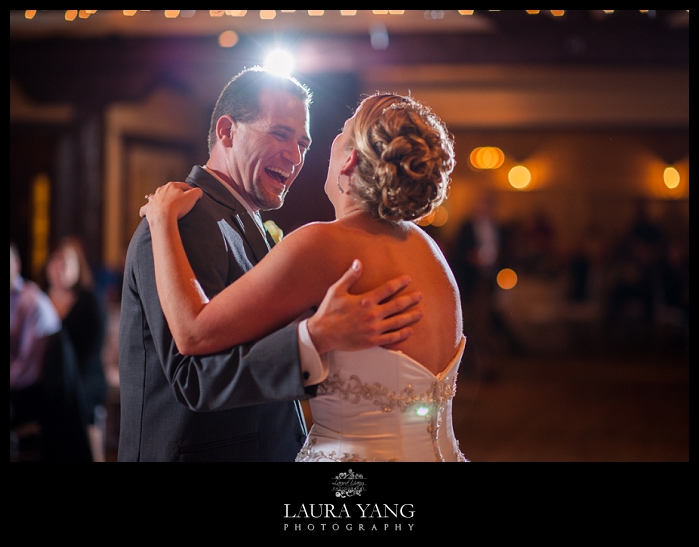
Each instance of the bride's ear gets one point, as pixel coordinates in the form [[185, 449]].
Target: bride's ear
[[349, 162]]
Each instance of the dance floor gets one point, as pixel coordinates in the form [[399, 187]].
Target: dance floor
[[612, 408]]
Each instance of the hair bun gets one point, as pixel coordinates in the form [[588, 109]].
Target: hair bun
[[405, 157]]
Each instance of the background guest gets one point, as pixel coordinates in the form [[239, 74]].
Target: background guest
[[71, 288], [478, 256], [33, 319]]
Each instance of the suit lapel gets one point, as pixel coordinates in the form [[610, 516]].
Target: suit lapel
[[201, 178], [252, 234]]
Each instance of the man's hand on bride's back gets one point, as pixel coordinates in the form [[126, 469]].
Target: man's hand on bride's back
[[172, 199], [352, 322]]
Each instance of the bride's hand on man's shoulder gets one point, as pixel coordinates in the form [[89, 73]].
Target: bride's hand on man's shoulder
[[173, 198]]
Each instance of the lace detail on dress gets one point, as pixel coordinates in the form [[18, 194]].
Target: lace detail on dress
[[430, 404], [308, 454]]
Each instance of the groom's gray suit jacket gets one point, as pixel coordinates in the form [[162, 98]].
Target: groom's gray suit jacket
[[236, 405]]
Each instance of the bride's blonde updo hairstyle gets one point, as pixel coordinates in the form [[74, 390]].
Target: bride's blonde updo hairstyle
[[405, 156]]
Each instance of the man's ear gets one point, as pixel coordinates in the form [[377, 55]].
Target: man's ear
[[349, 162], [225, 130]]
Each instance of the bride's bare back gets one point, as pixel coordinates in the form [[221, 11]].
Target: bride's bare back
[[388, 250]]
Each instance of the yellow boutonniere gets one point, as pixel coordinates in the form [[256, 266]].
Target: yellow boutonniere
[[274, 230]]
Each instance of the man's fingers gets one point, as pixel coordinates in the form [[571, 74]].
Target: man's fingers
[[401, 320], [394, 337], [193, 195], [386, 290], [349, 277], [400, 303]]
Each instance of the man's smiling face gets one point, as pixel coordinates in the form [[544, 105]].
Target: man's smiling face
[[268, 153]]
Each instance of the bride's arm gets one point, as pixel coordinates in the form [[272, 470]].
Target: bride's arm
[[307, 268], [287, 282]]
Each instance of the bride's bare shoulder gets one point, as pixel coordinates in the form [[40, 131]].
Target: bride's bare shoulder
[[315, 248], [317, 236], [314, 230]]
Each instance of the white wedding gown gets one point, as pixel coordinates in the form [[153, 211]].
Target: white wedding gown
[[379, 405]]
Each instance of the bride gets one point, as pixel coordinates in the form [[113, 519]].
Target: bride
[[390, 166]]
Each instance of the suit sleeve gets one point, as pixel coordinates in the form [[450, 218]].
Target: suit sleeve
[[264, 371]]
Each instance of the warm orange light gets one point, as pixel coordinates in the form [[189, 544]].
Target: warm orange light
[[40, 221], [71, 14], [83, 14], [466, 11], [268, 14], [379, 11], [228, 38], [396, 11], [29, 14], [519, 176], [236, 12], [214, 12], [348, 12], [441, 216], [506, 279], [487, 157], [557, 12], [129, 12], [426, 220], [491, 157], [473, 158], [671, 176], [533, 11], [316, 12], [172, 13]]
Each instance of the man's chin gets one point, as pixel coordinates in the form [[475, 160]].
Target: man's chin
[[272, 204]]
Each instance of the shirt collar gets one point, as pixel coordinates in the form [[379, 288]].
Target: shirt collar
[[248, 206]]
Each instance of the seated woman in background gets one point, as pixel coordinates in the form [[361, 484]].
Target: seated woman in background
[[390, 165]]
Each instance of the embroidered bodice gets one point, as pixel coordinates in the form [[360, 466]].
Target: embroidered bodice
[[381, 405]]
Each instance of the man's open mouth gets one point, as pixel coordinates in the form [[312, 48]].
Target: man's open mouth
[[278, 174]]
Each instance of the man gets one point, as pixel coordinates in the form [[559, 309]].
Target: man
[[241, 404], [33, 319]]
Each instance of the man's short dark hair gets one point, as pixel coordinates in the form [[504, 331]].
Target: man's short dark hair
[[240, 99]]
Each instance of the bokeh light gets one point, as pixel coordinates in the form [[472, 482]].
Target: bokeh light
[[441, 216], [671, 177], [487, 157], [519, 177], [228, 38], [507, 279]]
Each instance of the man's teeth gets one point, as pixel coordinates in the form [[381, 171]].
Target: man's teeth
[[284, 174]]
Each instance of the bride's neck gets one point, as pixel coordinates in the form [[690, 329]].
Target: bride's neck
[[350, 211], [347, 207]]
